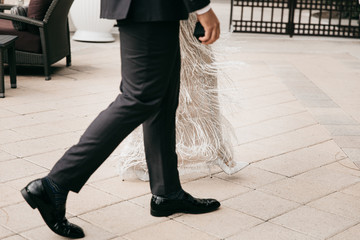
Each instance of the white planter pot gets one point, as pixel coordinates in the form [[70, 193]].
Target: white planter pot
[[85, 15]]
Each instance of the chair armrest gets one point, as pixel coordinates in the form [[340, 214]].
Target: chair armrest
[[6, 7], [22, 19]]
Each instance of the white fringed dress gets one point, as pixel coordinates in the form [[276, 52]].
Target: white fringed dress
[[203, 135]]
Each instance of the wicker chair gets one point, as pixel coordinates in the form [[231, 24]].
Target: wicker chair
[[53, 34]]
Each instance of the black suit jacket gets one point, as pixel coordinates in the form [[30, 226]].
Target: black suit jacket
[[150, 10]]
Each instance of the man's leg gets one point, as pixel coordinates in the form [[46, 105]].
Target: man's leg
[[148, 52], [160, 139], [160, 142]]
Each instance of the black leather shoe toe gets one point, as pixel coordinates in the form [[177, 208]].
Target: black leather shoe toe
[[162, 207], [65, 228], [54, 216]]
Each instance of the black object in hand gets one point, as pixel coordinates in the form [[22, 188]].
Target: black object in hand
[[199, 31]]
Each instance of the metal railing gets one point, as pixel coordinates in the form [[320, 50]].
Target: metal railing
[[339, 18]]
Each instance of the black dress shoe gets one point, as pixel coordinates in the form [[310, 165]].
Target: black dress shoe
[[54, 215], [162, 207]]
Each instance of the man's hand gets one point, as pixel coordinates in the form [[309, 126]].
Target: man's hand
[[211, 25]]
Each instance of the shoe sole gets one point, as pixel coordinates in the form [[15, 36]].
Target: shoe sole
[[161, 213], [155, 213], [28, 199]]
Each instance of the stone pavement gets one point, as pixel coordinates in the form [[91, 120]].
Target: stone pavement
[[297, 121]]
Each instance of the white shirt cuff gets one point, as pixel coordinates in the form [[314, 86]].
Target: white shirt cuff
[[203, 10]]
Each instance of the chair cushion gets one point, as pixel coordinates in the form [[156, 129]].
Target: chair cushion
[[27, 41], [21, 11], [37, 10]]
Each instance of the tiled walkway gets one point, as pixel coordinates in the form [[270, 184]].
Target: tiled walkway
[[297, 121]]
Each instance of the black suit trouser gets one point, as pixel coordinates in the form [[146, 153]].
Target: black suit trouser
[[150, 66]]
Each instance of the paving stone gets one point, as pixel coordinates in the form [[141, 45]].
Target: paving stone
[[188, 175], [296, 190], [39, 130], [25, 95], [85, 110], [260, 205], [287, 142], [9, 195], [302, 160], [251, 177], [33, 119], [353, 190], [91, 232], [357, 163], [64, 140], [121, 218], [20, 183], [168, 230], [330, 80], [74, 124], [314, 222], [4, 156], [247, 90], [27, 108], [107, 170], [214, 188], [228, 222], [355, 115], [13, 169], [344, 166], [269, 231], [142, 201], [9, 136], [347, 141], [6, 113], [54, 94], [339, 203], [309, 94], [123, 189], [274, 127], [349, 234], [332, 116], [29, 147], [247, 117], [325, 177], [245, 71], [351, 63], [352, 153], [107, 90], [89, 199], [16, 121], [297, 139], [316, 103], [46, 160], [74, 101], [15, 237], [265, 101], [249, 153], [246, 135], [5, 232], [20, 217], [344, 130]]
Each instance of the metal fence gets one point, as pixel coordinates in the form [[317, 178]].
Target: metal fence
[[339, 18]]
